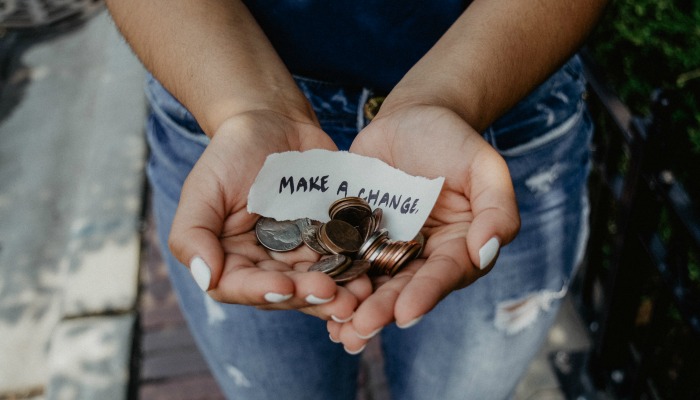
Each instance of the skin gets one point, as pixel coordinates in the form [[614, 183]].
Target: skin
[[219, 64]]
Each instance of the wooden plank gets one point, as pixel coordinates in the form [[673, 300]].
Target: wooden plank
[[197, 387], [167, 365], [173, 339]]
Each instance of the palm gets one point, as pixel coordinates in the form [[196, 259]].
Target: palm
[[212, 220], [476, 203]]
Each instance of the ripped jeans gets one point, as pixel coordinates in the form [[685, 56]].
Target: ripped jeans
[[478, 341]]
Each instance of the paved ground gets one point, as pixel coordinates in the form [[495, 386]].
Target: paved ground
[[71, 188], [71, 230]]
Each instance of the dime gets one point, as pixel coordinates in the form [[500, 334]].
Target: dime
[[357, 268], [340, 237], [332, 265], [309, 235], [278, 235]]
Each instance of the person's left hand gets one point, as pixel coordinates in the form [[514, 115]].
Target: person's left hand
[[475, 214]]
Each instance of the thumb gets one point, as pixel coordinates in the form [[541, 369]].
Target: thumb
[[496, 217], [194, 235]]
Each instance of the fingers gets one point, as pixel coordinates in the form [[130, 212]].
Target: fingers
[[372, 315]]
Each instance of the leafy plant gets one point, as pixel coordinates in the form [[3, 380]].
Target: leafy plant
[[645, 45]]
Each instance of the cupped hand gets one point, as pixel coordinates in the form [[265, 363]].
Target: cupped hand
[[475, 214], [213, 233]]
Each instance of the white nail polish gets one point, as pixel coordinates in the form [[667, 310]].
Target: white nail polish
[[488, 252], [409, 323], [340, 320], [369, 336], [272, 297], [333, 340], [200, 272], [358, 351], [311, 299]]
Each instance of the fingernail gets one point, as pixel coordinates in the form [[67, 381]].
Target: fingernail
[[488, 252], [272, 297], [358, 351], [340, 320], [369, 336], [200, 272], [317, 300], [333, 340], [409, 323]]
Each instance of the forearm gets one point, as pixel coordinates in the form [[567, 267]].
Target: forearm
[[212, 56], [494, 54]]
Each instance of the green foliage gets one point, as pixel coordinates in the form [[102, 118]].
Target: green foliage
[[647, 44], [644, 45]]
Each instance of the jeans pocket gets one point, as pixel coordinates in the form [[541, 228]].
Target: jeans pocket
[[549, 111], [172, 114]]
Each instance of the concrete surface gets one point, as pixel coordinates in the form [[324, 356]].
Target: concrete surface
[[71, 186]]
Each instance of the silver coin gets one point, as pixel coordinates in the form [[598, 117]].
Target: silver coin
[[328, 265], [309, 236], [278, 235], [357, 268]]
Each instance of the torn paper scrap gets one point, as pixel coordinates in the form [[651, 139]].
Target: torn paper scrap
[[296, 184]]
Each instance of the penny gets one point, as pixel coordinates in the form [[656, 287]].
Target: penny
[[353, 236], [377, 215], [357, 268], [332, 265], [352, 210], [407, 256], [278, 235], [369, 243], [340, 237], [366, 228]]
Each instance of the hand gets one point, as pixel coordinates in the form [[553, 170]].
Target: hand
[[213, 232], [476, 204]]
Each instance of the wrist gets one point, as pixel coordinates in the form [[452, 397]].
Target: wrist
[[468, 104], [289, 103]]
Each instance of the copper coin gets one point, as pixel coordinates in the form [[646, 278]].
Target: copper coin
[[377, 215], [340, 237], [352, 210], [357, 268], [375, 237], [278, 235]]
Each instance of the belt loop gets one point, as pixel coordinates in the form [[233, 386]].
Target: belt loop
[[361, 118]]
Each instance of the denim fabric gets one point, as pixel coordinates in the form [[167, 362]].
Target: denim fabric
[[478, 341]]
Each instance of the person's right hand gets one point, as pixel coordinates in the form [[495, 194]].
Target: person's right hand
[[213, 233]]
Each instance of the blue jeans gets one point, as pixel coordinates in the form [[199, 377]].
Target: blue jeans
[[478, 341]]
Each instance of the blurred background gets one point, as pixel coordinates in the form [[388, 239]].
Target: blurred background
[[86, 310]]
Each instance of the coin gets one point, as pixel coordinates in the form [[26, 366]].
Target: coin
[[278, 235], [357, 268], [331, 265], [352, 210], [353, 236], [340, 237], [369, 243], [309, 235]]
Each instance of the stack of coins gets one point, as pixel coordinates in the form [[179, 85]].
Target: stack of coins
[[388, 256], [351, 242]]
